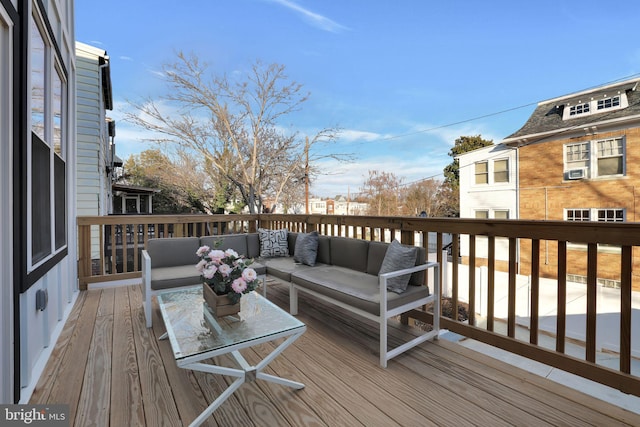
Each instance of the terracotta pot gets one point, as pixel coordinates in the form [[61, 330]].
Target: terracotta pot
[[220, 305]]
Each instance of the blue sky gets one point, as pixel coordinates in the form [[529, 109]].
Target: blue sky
[[402, 79]]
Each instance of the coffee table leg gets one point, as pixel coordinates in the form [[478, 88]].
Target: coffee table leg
[[216, 403]]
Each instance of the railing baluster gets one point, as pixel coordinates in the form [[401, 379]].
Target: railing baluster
[[511, 304], [592, 283], [455, 250], [472, 280], [625, 308], [561, 316], [492, 282], [535, 291]]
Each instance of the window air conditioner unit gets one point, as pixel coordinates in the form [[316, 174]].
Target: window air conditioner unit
[[576, 173]]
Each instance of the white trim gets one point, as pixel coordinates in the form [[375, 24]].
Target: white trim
[[6, 209]]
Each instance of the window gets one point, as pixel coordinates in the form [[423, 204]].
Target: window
[[579, 109], [605, 103], [482, 173], [610, 157], [501, 214], [578, 215], [608, 103], [595, 158], [501, 170], [610, 215], [47, 184], [482, 214]]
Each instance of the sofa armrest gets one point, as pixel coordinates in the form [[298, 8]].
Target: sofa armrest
[[382, 278]]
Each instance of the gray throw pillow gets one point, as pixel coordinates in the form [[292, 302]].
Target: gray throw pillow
[[306, 248], [273, 243], [398, 257]]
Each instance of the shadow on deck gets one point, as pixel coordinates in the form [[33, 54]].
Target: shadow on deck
[[113, 371]]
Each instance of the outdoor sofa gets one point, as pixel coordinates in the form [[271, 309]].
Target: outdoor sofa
[[340, 270]]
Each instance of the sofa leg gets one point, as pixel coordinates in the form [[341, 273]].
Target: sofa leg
[[293, 299], [147, 311], [383, 341]]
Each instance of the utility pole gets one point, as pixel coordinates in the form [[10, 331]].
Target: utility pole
[[306, 176]]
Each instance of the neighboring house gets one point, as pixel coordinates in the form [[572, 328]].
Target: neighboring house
[[96, 148], [575, 159], [488, 189], [38, 256], [579, 158]]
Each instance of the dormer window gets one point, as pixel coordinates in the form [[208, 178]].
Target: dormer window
[[609, 103], [597, 104], [579, 109]]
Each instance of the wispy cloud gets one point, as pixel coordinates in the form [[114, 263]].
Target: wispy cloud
[[315, 19]]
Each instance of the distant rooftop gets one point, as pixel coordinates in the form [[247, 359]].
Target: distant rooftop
[[574, 111]]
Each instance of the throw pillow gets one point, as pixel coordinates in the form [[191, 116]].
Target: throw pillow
[[273, 243], [398, 257], [306, 248]]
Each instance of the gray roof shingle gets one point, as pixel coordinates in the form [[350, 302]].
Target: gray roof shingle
[[547, 117]]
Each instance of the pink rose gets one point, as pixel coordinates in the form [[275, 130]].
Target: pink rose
[[209, 271], [239, 285], [249, 274], [225, 270]]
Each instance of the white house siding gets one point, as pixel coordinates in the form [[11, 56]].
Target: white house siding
[[37, 330], [93, 187], [92, 133], [491, 197]]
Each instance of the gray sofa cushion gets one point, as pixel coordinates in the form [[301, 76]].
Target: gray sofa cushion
[[282, 267], [398, 257], [273, 243], [172, 277], [171, 252], [356, 289], [237, 242], [349, 253], [377, 251], [306, 248], [253, 245]]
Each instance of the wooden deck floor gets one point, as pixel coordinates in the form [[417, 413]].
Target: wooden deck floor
[[113, 371]]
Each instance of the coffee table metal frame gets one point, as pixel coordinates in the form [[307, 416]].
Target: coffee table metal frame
[[181, 314]]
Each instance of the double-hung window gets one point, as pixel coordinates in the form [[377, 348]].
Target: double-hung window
[[482, 172], [592, 159], [47, 151]]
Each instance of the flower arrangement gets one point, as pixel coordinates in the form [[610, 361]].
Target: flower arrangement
[[226, 272]]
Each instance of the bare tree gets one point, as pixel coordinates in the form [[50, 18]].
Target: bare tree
[[234, 127], [382, 191], [423, 196]]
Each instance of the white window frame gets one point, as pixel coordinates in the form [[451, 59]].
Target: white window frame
[[601, 104], [594, 215], [507, 171], [477, 174], [51, 65], [590, 164]]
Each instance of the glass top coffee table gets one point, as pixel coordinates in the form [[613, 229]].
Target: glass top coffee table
[[196, 335]]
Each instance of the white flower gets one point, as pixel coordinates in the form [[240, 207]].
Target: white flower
[[209, 271], [201, 265], [225, 270], [231, 253], [239, 285], [249, 274], [216, 256], [203, 250]]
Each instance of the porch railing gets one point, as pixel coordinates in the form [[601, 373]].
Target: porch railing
[[485, 264]]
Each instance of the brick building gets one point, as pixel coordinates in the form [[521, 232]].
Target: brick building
[[578, 160]]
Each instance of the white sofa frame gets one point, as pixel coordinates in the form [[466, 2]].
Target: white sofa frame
[[385, 314]]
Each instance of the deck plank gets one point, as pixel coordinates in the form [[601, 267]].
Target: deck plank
[[126, 395], [71, 375], [439, 383], [96, 389], [157, 396], [42, 391]]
